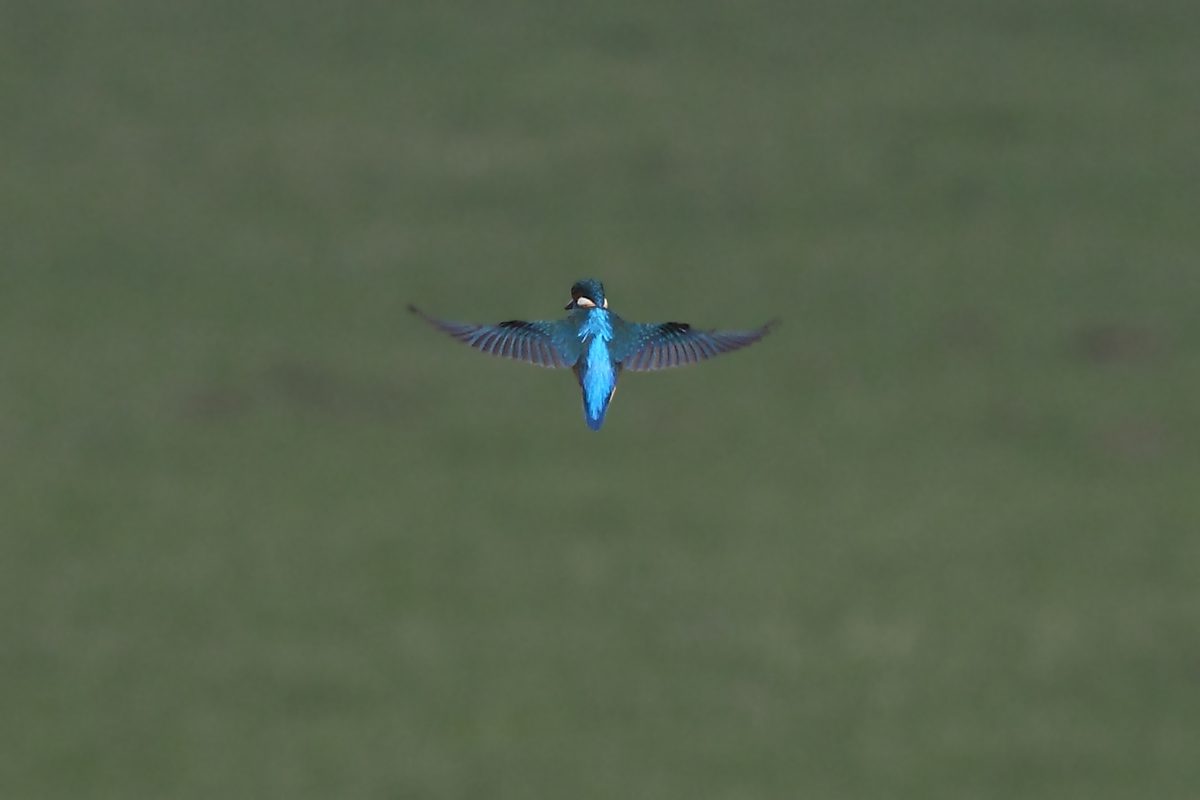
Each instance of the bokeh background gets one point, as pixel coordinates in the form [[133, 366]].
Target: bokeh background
[[266, 535]]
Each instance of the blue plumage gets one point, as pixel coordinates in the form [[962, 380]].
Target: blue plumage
[[596, 370], [597, 344]]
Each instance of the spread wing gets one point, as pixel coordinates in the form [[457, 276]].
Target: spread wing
[[546, 344], [659, 345]]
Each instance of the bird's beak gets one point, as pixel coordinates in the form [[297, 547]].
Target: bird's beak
[[569, 306]]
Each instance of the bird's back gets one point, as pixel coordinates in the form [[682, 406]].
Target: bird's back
[[596, 370]]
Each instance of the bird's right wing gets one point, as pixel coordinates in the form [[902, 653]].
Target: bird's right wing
[[544, 343], [676, 344]]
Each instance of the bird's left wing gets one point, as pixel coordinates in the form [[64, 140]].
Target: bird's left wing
[[660, 345], [544, 343]]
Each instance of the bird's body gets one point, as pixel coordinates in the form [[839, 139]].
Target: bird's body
[[597, 344], [596, 370]]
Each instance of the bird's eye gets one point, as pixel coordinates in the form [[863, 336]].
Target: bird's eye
[[584, 302]]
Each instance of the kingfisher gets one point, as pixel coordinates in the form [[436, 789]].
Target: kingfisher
[[597, 344]]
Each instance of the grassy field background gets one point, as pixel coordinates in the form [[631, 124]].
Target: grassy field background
[[265, 535]]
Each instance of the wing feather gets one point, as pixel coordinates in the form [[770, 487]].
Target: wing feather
[[538, 342], [675, 344]]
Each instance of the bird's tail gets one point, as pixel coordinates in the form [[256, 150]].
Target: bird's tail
[[594, 421], [595, 401]]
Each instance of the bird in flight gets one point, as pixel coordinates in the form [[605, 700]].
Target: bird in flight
[[597, 344]]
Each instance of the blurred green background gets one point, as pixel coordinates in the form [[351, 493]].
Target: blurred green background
[[266, 535]]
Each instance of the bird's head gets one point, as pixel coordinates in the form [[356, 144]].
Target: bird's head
[[588, 293]]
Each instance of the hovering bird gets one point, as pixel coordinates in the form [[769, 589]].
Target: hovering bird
[[597, 344]]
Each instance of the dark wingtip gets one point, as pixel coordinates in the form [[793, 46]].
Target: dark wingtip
[[425, 317]]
